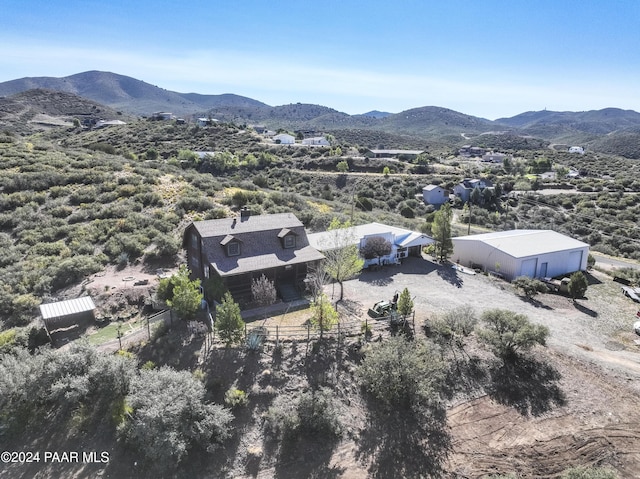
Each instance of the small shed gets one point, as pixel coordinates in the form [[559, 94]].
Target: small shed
[[66, 314]]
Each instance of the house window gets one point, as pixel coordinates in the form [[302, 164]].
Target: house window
[[290, 241], [233, 249], [195, 261], [206, 273], [194, 241]]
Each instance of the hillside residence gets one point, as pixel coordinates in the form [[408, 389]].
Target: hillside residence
[[471, 151], [316, 141], [284, 139], [532, 253], [104, 124], [492, 157], [403, 242], [407, 154], [548, 175], [205, 121], [162, 115], [435, 195], [240, 249], [464, 189], [259, 129], [576, 149]]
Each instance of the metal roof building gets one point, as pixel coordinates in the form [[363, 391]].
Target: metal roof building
[[64, 314], [403, 242], [532, 253]]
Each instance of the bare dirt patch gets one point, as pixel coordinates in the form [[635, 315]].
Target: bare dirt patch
[[573, 403]]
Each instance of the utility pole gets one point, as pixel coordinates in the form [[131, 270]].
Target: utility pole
[[469, 225]]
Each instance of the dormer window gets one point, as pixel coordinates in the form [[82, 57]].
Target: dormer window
[[231, 244], [289, 241], [233, 249], [288, 238]]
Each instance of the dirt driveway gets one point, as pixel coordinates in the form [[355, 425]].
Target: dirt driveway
[[597, 328], [591, 348]]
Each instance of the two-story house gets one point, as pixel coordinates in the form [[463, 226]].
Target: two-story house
[[463, 190], [244, 247]]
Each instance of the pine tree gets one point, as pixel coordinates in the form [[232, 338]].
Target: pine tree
[[441, 230], [229, 322]]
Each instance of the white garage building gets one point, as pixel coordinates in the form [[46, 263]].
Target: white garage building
[[533, 253]]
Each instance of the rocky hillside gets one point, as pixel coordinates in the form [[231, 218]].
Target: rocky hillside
[[37, 109], [610, 130]]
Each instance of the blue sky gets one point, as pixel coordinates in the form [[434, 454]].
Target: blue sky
[[487, 58]]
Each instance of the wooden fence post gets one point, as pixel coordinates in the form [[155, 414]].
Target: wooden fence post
[[413, 321]]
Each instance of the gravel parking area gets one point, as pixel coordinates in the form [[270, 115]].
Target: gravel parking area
[[596, 328]]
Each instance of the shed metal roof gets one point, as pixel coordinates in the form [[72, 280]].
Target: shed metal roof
[[524, 243], [66, 308]]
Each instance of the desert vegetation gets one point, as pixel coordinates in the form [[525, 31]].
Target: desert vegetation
[[74, 201]]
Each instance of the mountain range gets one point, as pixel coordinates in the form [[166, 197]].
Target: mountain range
[[117, 95]]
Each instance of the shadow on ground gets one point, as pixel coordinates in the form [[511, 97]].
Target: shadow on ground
[[585, 310], [528, 385], [450, 275], [403, 443]]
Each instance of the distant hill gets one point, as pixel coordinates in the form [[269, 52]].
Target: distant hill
[[376, 114], [609, 130], [39, 108], [433, 120], [584, 125], [126, 94]]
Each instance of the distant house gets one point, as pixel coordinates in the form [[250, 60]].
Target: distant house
[[532, 253], [407, 154], [576, 149], [316, 141], [104, 124], [284, 139], [548, 175], [403, 242], [492, 157], [162, 115], [464, 189], [434, 195], [205, 121], [471, 151], [240, 249], [260, 129]]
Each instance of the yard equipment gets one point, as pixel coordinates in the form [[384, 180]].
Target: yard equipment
[[382, 309], [633, 293]]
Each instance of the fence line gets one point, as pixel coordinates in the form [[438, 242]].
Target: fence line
[[306, 332]]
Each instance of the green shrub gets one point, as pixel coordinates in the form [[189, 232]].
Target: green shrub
[[402, 374], [235, 398]]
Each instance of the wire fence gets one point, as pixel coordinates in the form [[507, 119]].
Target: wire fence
[[307, 332]]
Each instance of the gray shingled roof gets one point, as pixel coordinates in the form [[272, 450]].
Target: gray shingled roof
[[260, 243]]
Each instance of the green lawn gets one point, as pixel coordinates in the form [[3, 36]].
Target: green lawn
[[110, 331]]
